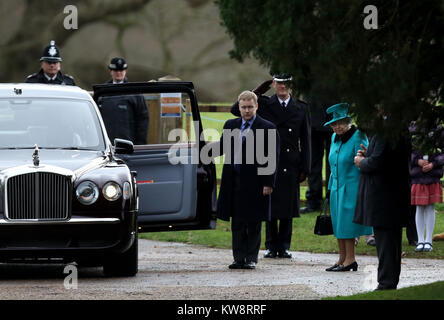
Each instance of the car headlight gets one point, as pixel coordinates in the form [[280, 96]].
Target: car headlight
[[111, 191], [87, 192]]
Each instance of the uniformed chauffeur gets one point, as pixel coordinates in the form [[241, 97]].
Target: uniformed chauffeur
[[291, 118], [125, 116], [50, 73]]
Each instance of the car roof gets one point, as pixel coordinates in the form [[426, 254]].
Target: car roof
[[38, 90]]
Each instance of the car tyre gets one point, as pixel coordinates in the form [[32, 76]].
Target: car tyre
[[124, 264]]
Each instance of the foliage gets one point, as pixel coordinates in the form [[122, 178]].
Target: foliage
[[395, 70], [428, 133]]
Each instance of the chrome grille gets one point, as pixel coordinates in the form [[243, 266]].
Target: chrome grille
[[38, 196]]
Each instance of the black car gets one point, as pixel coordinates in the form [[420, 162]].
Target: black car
[[67, 193]]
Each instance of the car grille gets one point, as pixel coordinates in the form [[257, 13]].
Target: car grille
[[39, 196]]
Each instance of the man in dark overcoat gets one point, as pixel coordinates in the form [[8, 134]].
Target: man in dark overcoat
[[50, 64], [247, 178], [126, 116], [384, 201], [291, 118]]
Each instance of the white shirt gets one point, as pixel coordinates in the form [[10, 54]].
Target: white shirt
[[286, 101], [49, 78]]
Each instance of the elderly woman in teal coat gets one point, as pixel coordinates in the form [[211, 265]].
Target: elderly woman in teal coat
[[343, 185]]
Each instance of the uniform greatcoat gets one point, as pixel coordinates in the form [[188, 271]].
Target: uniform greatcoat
[[125, 117], [39, 77]]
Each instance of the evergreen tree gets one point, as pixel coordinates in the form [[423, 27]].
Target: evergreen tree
[[393, 72]]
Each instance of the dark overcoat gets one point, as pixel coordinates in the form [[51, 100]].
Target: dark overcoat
[[384, 186], [252, 205], [39, 77], [125, 117], [293, 125]]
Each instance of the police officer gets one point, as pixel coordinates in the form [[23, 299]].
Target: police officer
[[125, 116], [50, 68], [291, 118], [320, 100], [117, 68]]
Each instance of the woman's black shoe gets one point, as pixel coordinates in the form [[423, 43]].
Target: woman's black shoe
[[332, 267], [352, 266]]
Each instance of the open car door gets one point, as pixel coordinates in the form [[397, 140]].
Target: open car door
[[176, 190]]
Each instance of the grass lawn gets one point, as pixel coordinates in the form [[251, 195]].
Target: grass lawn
[[433, 291]]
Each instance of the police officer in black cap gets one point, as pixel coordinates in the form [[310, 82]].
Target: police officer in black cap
[[125, 116], [50, 68], [291, 117], [117, 68]]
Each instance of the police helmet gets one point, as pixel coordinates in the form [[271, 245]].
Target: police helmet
[[51, 53], [117, 64]]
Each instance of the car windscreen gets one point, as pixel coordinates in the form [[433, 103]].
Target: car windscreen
[[49, 123]]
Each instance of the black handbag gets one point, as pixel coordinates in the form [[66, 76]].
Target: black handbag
[[323, 226]]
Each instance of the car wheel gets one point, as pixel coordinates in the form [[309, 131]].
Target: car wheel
[[124, 264]]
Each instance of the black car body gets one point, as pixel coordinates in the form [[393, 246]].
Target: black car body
[[67, 193]]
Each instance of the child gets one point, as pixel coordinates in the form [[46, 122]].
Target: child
[[426, 173]]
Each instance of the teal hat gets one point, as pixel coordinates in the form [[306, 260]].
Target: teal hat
[[339, 112]]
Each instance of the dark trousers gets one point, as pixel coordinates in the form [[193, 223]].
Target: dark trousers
[[411, 233], [278, 237], [246, 235], [320, 142], [246, 240], [389, 249]]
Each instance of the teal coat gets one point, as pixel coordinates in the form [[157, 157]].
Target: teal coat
[[343, 184]]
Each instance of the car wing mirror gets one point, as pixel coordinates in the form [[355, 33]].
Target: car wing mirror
[[122, 146]]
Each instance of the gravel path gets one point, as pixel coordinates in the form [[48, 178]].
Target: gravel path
[[186, 272]]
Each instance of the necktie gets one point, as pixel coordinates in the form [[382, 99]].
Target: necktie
[[283, 104], [245, 126]]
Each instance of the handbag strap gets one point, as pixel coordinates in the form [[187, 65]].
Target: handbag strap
[[325, 211]]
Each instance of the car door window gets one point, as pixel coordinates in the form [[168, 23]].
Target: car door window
[[150, 118]]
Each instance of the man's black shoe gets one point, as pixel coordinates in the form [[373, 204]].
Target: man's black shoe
[[249, 265], [270, 254], [284, 254], [413, 243], [309, 209], [236, 265]]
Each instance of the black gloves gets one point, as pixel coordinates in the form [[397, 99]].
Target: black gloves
[[262, 88]]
